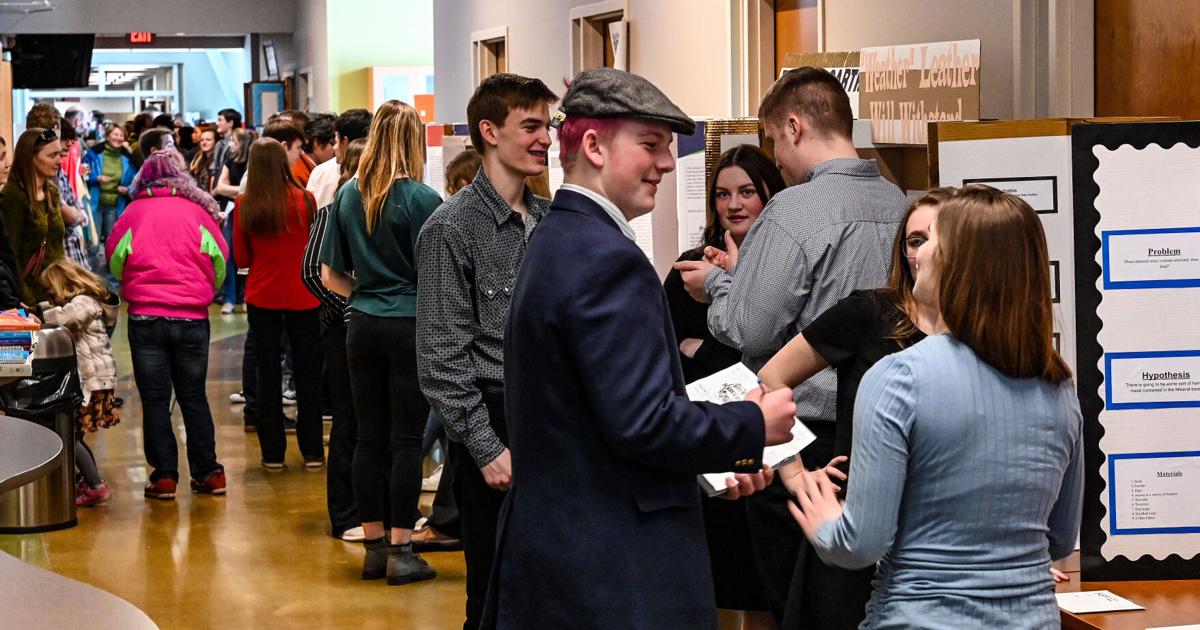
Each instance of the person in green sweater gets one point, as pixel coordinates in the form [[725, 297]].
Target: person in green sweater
[[111, 175], [29, 206]]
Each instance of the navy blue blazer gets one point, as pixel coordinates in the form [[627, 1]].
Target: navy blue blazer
[[602, 525]]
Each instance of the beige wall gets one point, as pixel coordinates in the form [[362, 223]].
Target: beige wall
[[312, 49], [855, 24], [680, 45]]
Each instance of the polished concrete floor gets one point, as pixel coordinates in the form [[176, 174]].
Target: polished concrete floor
[[258, 557]]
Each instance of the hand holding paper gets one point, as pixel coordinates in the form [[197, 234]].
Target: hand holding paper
[[779, 413], [739, 383]]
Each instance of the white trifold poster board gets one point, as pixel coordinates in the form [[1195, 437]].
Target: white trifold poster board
[[1035, 168], [1137, 243]]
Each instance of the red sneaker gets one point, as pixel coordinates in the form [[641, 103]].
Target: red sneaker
[[91, 497], [164, 488], [213, 484]]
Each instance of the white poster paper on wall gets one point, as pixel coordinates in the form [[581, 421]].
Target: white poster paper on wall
[[690, 199], [435, 170]]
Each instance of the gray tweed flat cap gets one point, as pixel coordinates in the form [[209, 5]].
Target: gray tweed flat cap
[[608, 93]]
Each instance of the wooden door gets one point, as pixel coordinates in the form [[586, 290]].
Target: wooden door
[[1146, 55], [795, 29]]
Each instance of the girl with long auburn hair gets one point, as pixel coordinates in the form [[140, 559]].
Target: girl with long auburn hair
[[271, 230], [967, 472], [372, 232]]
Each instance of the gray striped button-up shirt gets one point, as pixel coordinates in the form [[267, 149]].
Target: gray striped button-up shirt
[[813, 244], [468, 255]]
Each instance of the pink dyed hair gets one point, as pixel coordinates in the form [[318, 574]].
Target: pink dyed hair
[[570, 135]]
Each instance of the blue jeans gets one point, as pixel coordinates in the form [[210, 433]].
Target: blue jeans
[[107, 218], [231, 293], [173, 354]]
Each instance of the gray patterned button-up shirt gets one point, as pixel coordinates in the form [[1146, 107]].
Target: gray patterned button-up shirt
[[468, 254], [812, 245]]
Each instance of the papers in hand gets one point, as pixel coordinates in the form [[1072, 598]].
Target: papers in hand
[[1093, 602], [731, 385]]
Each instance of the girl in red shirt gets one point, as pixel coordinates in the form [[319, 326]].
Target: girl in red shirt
[[270, 233]]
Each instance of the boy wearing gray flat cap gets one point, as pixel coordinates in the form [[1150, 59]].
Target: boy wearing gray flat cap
[[602, 525]]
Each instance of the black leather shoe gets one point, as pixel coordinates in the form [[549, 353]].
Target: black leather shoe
[[405, 566], [375, 561]]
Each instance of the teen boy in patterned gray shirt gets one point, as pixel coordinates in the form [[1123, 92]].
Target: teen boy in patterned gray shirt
[[813, 244], [468, 254]]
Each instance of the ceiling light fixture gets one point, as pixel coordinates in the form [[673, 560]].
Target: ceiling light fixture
[[26, 8]]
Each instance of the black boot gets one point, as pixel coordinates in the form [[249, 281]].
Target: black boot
[[404, 566], [375, 562]]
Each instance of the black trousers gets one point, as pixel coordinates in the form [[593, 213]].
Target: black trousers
[[445, 517], [823, 597], [479, 510], [339, 484], [391, 413], [303, 330], [774, 535]]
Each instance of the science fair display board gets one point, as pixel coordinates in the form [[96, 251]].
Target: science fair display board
[[443, 142], [1137, 288]]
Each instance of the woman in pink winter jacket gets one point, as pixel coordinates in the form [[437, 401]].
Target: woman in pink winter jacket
[[169, 255]]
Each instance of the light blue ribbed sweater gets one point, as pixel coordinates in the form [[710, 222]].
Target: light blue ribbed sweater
[[964, 483]]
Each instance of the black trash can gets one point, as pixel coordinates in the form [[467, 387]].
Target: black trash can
[[49, 397]]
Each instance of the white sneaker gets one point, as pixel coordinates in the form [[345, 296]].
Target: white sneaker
[[354, 534], [430, 483], [237, 397], [227, 309], [289, 398]]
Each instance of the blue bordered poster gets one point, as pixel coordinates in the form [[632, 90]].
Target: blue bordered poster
[[1137, 289]]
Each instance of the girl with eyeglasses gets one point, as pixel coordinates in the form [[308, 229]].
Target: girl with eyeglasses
[[967, 474], [30, 208], [851, 337]]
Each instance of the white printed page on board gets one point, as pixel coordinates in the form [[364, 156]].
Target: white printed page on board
[[1149, 230]]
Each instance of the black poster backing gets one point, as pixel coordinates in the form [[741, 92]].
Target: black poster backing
[[1084, 137]]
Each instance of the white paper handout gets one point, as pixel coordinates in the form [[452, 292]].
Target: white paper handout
[[1094, 602], [731, 385]]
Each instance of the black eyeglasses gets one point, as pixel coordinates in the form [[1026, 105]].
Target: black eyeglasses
[[46, 137], [913, 243]]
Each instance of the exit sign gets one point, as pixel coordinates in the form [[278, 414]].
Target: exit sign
[[140, 38]]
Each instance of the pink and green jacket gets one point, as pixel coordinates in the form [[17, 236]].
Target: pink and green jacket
[[169, 255]]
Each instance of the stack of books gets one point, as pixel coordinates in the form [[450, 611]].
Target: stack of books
[[16, 336]]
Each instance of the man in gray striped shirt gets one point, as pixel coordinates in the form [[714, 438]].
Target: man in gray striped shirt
[[814, 243], [468, 255]]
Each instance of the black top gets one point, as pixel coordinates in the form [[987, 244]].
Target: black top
[[690, 319], [852, 336]]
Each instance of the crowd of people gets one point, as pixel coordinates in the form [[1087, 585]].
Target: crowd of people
[[946, 471]]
